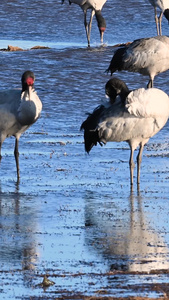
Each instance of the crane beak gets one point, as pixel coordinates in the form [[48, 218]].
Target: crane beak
[[30, 82], [102, 30], [29, 91]]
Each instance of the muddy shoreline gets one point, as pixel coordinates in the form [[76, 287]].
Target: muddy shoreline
[[11, 48]]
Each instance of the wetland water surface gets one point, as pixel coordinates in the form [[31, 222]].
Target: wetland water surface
[[73, 217]]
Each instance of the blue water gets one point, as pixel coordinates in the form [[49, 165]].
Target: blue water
[[54, 24], [72, 216]]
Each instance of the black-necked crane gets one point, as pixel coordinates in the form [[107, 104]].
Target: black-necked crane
[[19, 109], [95, 6], [147, 56], [163, 5], [134, 117]]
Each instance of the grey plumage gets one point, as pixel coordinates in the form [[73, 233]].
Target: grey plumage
[[134, 120], [147, 56], [19, 109]]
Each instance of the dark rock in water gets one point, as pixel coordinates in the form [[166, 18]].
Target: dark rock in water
[[40, 47], [16, 48]]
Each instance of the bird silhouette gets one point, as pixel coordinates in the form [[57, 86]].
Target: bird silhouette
[[19, 109], [163, 5], [95, 6], [147, 56], [135, 116]]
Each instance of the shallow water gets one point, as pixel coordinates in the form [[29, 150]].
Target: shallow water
[[73, 216]]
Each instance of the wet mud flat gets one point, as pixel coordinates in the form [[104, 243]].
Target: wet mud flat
[[104, 294], [47, 288], [73, 235]]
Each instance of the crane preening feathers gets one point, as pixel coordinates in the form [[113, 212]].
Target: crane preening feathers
[[135, 116]]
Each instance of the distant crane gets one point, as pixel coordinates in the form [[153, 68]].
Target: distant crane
[[96, 7], [163, 5], [19, 109], [147, 56], [134, 117]]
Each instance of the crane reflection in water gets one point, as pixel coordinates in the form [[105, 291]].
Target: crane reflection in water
[[123, 235]]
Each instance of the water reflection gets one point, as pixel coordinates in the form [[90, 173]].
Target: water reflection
[[121, 232], [17, 227]]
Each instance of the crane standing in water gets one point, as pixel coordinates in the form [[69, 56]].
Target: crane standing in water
[[163, 5], [133, 117], [19, 109], [95, 6]]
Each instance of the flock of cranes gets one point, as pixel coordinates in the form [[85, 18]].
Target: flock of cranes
[[131, 116]]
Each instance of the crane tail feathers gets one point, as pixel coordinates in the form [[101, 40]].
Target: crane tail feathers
[[91, 139], [91, 133]]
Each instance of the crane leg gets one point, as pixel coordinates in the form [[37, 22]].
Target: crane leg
[[160, 20], [132, 165], [139, 160], [156, 20], [90, 24], [150, 83], [16, 154], [86, 27], [0, 151]]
